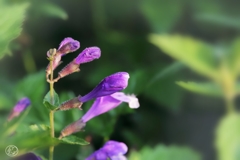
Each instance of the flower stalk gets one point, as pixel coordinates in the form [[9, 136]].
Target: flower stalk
[[51, 114]]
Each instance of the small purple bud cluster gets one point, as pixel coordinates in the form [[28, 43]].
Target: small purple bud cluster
[[69, 45]]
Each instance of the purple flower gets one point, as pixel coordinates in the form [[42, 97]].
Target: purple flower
[[101, 105], [109, 85], [87, 55], [68, 45], [106, 103], [28, 156], [21, 105], [112, 150]]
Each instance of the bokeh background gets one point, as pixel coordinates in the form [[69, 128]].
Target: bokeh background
[[169, 116]]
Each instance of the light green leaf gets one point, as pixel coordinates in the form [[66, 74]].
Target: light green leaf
[[73, 140], [165, 153], [11, 23], [205, 88], [228, 138], [234, 57], [49, 103], [195, 54]]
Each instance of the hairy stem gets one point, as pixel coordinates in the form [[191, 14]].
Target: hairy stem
[[51, 114]]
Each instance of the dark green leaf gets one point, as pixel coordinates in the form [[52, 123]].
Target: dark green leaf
[[49, 102], [73, 140]]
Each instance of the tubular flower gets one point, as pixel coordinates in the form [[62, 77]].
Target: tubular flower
[[66, 46], [112, 150], [87, 55], [109, 85], [21, 105], [101, 105]]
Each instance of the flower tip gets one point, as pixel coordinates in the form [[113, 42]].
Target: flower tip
[[68, 45], [88, 55]]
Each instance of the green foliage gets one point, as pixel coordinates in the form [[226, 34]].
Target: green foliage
[[162, 14], [228, 138], [195, 54], [48, 8], [233, 57], [165, 153], [73, 140], [11, 23], [205, 88], [51, 104]]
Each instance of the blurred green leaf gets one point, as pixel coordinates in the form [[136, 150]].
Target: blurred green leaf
[[165, 153], [73, 140], [195, 54], [11, 23], [228, 137], [32, 86], [162, 14], [49, 103], [205, 88], [51, 9], [5, 101], [219, 19], [234, 57]]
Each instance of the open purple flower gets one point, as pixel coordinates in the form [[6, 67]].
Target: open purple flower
[[87, 55], [109, 85], [112, 150], [28, 156], [21, 105], [104, 104], [101, 105]]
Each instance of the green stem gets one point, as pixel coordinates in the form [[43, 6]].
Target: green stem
[[230, 105], [51, 114]]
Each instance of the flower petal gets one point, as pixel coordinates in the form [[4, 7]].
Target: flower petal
[[132, 100], [109, 85], [88, 55]]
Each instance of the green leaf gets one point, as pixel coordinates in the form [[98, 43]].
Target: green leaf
[[50, 9], [73, 140], [49, 103], [156, 10], [228, 137], [165, 153], [234, 57], [205, 88], [11, 25], [195, 54]]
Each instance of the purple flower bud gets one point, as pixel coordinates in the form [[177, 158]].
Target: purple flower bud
[[87, 55], [56, 63], [109, 85], [28, 156], [111, 150], [21, 105], [72, 128], [68, 45], [106, 103]]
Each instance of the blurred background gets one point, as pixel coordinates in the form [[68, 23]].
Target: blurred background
[[169, 116]]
